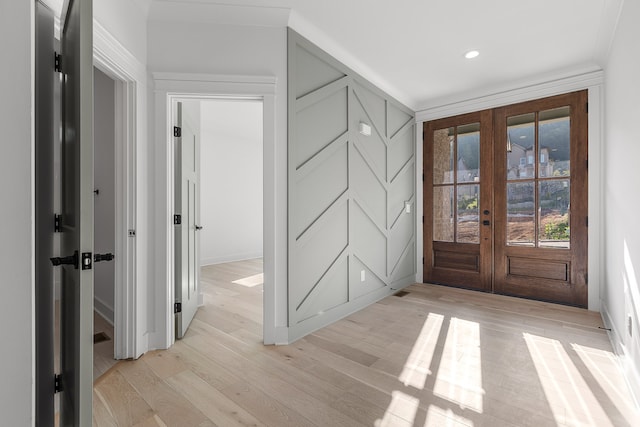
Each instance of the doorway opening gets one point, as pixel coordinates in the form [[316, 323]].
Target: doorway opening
[[505, 196], [227, 225], [104, 134]]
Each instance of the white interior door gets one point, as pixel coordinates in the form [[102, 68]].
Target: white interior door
[[76, 261], [187, 205]]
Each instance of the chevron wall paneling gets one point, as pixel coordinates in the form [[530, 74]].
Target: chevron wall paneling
[[351, 239]]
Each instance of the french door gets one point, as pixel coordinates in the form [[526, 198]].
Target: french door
[[505, 195]]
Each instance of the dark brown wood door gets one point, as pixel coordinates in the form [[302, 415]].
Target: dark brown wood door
[[541, 199], [457, 197], [505, 200]]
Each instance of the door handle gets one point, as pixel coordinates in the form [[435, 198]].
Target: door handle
[[486, 212], [66, 260], [103, 257], [198, 227], [486, 222]]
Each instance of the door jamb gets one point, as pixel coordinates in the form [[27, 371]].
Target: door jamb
[[110, 57], [174, 86]]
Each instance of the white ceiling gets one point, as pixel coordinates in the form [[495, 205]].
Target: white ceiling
[[414, 49]]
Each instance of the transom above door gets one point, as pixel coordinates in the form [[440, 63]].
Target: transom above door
[[505, 200]]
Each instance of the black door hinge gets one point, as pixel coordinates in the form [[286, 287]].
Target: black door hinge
[[87, 260], [177, 219], [57, 383], [177, 307], [56, 223], [423, 260], [177, 131], [586, 221], [586, 107], [423, 219], [57, 62]]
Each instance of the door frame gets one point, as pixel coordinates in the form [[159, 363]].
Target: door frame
[[498, 96], [171, 87], [130, 128]]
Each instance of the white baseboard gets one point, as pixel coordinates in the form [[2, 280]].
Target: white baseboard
[[103, 310], [229, 258], [627, 364]]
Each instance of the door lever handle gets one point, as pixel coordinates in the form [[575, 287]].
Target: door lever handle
[[66, 260], [103, 257], [486, 222], [198, 227]]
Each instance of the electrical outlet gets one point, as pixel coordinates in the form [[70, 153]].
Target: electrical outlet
[[362, 275]]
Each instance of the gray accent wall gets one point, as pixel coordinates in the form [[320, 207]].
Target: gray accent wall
[[351, 239]]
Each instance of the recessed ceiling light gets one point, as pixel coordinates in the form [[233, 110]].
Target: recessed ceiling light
[[471, 54]]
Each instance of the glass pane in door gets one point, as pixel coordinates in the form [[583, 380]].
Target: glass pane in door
[[521, 215], [443, 212], [554, 130], [469, 153], [443, 155], [468, 214], [554, 225], [520, 150]]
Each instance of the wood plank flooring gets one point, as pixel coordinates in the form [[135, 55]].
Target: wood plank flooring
[[435, 357]]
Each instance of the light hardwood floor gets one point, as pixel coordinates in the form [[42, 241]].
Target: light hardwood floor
[[434, 357]]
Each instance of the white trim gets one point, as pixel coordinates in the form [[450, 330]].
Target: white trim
[[131, 128], [497, 97], [625, 362], [593, 81], [168, 88]]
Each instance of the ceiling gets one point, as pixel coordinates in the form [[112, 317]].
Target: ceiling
[[414, 49]]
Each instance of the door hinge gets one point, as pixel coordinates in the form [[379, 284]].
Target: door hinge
[[586, 221], [57, 383], [423, 177], [57, 62], [423, 260], [87, 260], [177, 219], [423, 219], [586, 278], [177, 307], [586, 107], [586, 164], [177, 131], [56, 223]]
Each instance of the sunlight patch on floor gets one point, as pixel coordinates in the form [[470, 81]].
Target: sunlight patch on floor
[[251, 281], [416, 369], [459, 377], [401, 411], [439, 417], [604, 367], [568, 395]]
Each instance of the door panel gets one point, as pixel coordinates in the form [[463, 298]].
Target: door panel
[[541, 199], [187, 206], [457, 197], [76, 306]]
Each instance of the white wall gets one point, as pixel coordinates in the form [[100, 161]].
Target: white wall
[[126, 21], [16, 217], [621, 294], [104, 182], [230, 181]]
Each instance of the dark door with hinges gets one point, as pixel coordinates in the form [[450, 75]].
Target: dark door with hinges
[[76, 221], [505, 194]]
